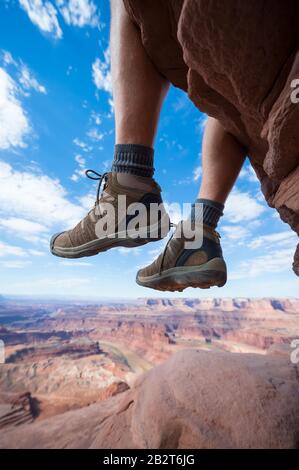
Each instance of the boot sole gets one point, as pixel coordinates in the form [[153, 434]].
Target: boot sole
[[212, 273], [100, 245]]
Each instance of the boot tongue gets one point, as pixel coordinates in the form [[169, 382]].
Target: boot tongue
[[106, 193], [135, 182]]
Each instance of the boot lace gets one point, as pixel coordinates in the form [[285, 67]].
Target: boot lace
[[94, 175]]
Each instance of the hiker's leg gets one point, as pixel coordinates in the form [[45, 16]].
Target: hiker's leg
[[138, 88], [222, 159]]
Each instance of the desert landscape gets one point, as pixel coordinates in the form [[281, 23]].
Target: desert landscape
[[67, 360]]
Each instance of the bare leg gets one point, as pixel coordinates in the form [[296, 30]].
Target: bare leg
[[222, 159], [138, 88]]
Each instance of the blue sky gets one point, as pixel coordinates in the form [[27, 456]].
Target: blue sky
[[56, 113]]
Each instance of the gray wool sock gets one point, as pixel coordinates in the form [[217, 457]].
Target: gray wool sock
[[210, 214], [133, 159]]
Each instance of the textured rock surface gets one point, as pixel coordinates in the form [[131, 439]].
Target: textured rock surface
[[194, 400], [236, 60]]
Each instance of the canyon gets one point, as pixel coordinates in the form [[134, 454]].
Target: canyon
[[66, 357]]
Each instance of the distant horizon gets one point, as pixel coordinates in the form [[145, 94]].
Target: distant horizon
[[120, 300]]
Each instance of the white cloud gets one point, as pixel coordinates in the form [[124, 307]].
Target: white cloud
[[171, 143], [235, 232], [272, 262], [249, 174], [181, 102], [17, 224], [14, 264], [34, 252], [72, 263], [11, 250], [111, 104], [27, 80], [25, 229], [44, 15], [7, 250], [80, 171], [202, 122], [69, 70], [96, 118], [14, 122], [278, 239], [197, 172], [78, 12], [95, 135], [128, 251], [8, 58], [82, 145], [44, 285], [22, 74], [241, 206], [75, 177], [80, 160], [88, 200], [36, 197], [101, 73]]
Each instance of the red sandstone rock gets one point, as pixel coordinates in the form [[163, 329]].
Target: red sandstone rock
[[114, 389], [194, 400], [236, 60]]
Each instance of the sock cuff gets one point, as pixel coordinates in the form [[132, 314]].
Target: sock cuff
[[134, 148], [133, 159], [208, 202], [210, 214]]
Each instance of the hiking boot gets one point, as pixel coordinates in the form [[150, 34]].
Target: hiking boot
[[99, 231], [179, 267]]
